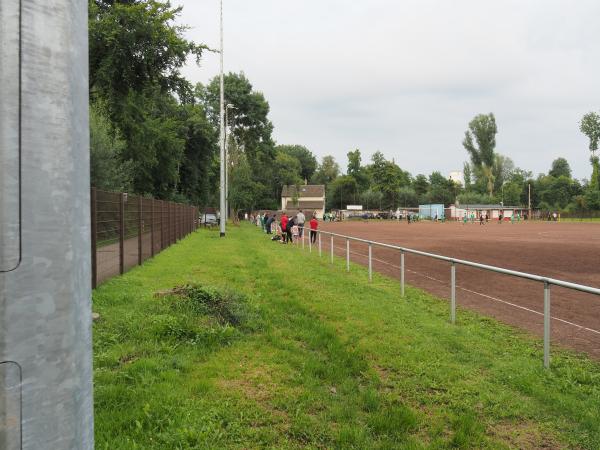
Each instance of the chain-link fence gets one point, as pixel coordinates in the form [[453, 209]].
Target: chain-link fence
[[128, 229]]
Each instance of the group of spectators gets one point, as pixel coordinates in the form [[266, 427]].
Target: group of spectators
[[288, 228]]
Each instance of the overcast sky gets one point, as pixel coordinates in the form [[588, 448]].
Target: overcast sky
[[405, 77]]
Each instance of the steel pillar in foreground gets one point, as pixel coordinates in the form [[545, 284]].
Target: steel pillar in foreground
[[45, 255]]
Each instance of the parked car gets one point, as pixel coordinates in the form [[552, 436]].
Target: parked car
[[208, 219]]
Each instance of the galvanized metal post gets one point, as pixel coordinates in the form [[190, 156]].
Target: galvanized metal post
[[45, 227], [546, 324], [370, 262], [320, 247], [331, 240], [303, 238], [94, 221], [453, 293], [347, 255], [402, 273]]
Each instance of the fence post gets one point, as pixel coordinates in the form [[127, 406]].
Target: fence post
[[331, 241], [94, 221], [320, 253], [310, 244], [546, 324], [402, 273], [162, 225], [303, 238], [140, 230], [122, 234], [370, 262], [453, 293], [152, 227], [347, 255]]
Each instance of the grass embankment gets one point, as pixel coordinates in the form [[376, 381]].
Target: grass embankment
[[318, 358]]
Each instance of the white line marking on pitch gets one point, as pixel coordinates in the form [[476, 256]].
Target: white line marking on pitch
[[558, 319]]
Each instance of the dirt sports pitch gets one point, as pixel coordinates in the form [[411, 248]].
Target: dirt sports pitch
[[567, 251]]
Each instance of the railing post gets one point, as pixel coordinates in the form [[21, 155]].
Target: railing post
[[453, 293], [370, 262], [303, 238], [320, 247], [402, 273], [546, 324], [310, 243], [331, 240], [94, 221], [347, 255], [122, 234], [140, 230]]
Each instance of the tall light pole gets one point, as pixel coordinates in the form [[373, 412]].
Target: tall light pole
[[229, 106], [222, 203]]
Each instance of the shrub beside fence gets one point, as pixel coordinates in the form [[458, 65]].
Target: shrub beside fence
[[128, 229]]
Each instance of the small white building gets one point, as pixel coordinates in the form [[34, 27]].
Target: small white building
[[308, 198]]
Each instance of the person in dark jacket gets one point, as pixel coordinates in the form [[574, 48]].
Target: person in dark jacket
[[270, 221]]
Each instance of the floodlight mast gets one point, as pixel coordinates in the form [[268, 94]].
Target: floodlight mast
[[45, 256], [222, 203]]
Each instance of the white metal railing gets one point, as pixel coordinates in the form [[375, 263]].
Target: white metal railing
[[547, 281]]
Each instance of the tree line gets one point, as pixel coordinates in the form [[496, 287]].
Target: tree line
[[152, 132]]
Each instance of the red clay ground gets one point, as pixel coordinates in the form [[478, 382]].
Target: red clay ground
[[567, 251]]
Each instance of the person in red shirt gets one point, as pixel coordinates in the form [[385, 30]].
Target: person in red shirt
[[284, 224], [314, 225]]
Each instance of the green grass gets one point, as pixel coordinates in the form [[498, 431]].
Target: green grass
[[321, 359]]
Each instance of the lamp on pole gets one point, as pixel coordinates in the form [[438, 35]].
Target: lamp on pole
[[222, 202]]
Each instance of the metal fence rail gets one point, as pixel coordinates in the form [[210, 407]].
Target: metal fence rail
[[128, 229], [453, 262]]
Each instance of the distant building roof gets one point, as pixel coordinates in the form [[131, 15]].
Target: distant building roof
[[311, 190]]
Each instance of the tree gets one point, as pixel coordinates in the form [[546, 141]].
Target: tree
[[590, 126], [107, 170], [387, 178], [356, 170], [420, 184], [467, 175], [442, 190], [560, 167], [371, 199], [407, 197], [307, 160], [136, 53], [133, 45], [249, 119], [287, 171], [243, 190], [341, 191], [480, 143], [327, 171]]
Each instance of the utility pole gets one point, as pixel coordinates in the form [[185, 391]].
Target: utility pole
[[222, 203], [529, 188]]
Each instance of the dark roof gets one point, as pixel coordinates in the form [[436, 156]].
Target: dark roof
[[311, 190]]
